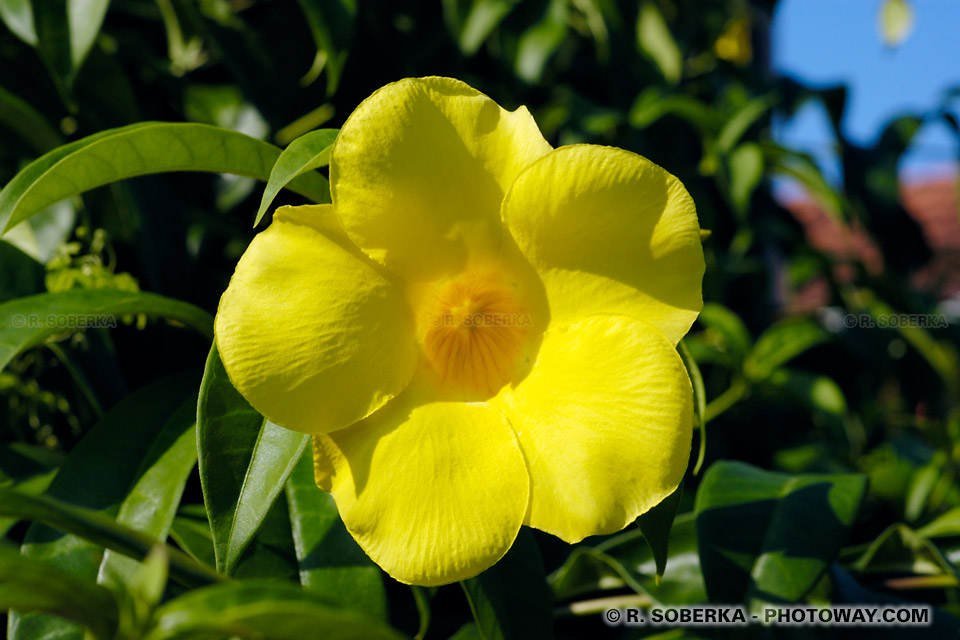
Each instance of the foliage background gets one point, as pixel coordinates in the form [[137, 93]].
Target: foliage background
[[860, 425]]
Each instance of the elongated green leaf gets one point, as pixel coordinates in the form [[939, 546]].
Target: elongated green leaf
[[100, 530], [29, 470], [656, 42], [136, 150], [331, 24], [945, 525], [255, 609], [781, 343], [655, 525], [654, 103], [18, 16], [738, 124], [899, 550], [97, 475], [22, 119], [27, 322], [540, 41], [27, 585], [332, 565], [820, 394], [151, 504], [699, 400], [728, 327], [65, 30], [626, 560], [803, 168], [304, 154], [746, 171], [244, 462], [511, 599], [752, 545], [484, 16]]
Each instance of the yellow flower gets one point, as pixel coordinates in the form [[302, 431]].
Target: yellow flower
[[480, 331]]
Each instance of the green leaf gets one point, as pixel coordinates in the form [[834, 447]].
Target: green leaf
[[97, 475], [468, 631], [306, 153], [43, 234], [255, 609], [945, 525], [331, 24], [817, 392], [540, 41], [655, 525], [332, 565], [898, 550], [654, 103], [151, 503], [101, 530], [511, 599], [244, 462], [656, 42], [746, 170], [136, 150], [27, 585], [803, 168], [741, 121], [781, 343], [65, 30], [728, 328], [194, 537], [753, 547], [484, 16], [895, 21], [27, 322], [29, 470], [18, 16], [699, 400], [626, 561]]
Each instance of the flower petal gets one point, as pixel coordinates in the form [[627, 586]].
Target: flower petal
[[419, 170], [313, 334], [605, 422], [609, 232], [434, 492]]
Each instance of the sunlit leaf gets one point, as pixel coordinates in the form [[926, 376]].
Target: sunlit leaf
[[262, 609], [244, 462], [781, 343], [540, 41], [655, 525], [28, 585], [728, 327], [331, 24], [304, 154], [511, 599], [151, 503], [136, 150], [656, 42], [97, 475], [332, 565], [27, 322], [751, 547]]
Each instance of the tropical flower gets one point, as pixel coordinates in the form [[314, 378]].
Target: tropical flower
[[480, 332]]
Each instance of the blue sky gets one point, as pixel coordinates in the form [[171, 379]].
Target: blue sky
[[826, 42]]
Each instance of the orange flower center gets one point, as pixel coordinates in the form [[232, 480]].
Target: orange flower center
[[477, 329]]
